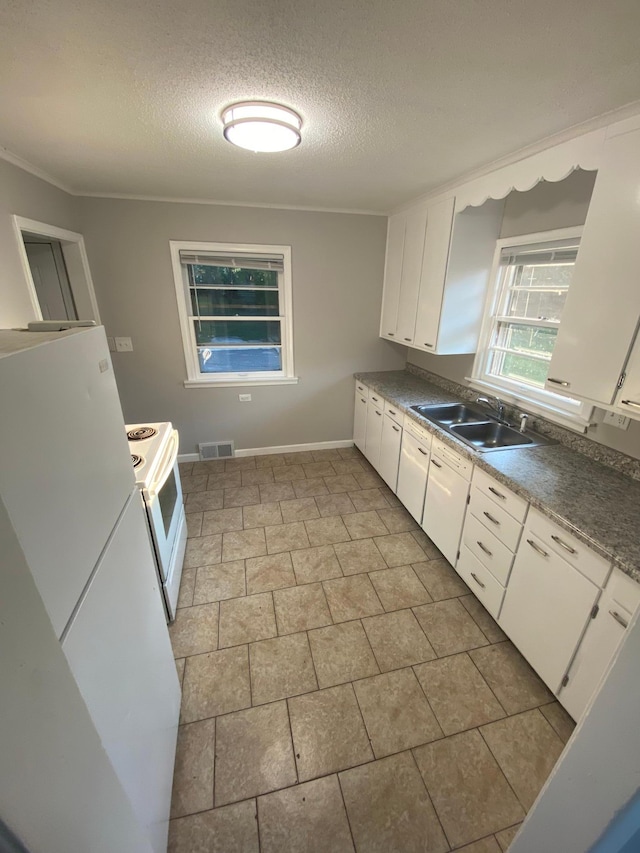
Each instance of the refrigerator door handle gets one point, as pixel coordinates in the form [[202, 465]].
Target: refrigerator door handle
[[169, 462]]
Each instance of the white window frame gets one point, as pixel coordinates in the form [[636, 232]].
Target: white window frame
[[195, 379], [563, 410]]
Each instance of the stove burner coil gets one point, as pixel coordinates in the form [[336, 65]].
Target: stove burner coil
[[137, 460], [141, 433]]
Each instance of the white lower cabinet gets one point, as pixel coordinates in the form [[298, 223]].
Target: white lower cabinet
[[373, 432], [546, 608], [360, 421], [414, 468], [390, 442], [480, 581], [446, 498], [604, 634]]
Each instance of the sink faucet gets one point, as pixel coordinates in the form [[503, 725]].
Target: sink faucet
[[494, 403]]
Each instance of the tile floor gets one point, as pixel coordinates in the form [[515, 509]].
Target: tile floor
[[341, 688]]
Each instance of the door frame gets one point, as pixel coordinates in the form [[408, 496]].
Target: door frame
[[76, 260]]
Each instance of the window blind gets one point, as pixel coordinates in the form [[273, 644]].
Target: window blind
[[539, 255], [247, 262]]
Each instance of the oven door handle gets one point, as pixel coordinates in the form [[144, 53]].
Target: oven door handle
[[169, 462]]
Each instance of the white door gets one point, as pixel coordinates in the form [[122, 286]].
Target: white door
[[415, 228], [119, 652], [65, 460], [546, 608], [444, 508], [390, 441], [373, 433], [360, 421], [392, 276], [603, 304], [628, 397], [434, 273], [50, 279], [412, 474]]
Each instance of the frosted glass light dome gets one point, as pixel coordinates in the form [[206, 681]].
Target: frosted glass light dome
[[262, 127]]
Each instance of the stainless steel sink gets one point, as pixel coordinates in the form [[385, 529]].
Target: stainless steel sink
[[451, 413], [478, 429]]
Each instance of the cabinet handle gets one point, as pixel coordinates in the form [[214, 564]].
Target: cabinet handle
[[483, 548], [437, 464], [537, 548], [379, 414], [619, 618], [491, 518], [559, 382], [408, 339], [391, 412], [477, 579], [428, 345], [631, 403], [391, 335], [375, 399], [397, 429], [360, 387], [363, 400], [424, 452], [563, 544], [497, 493]]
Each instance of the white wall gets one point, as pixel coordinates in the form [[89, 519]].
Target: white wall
[[58, 791], [25, 195], [337, 261]]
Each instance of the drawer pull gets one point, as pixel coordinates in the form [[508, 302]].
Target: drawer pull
[[537, 548], [559, 382], [563, 544], [360, 387], [477, 579], [491, 518], [379, 414], [391, 335], [631, 403], [375, 399], [619, 618], [428, 345], [497, 493], [363, 400], [483, 548], [424, 452], [397, 429], [408, 339], [391, 412], [437, 464]]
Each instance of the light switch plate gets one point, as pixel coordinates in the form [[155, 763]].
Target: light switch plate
[[244, 398], [124, 345], [616, 420]]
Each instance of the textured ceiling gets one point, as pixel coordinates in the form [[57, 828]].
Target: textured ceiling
[[397, 96]]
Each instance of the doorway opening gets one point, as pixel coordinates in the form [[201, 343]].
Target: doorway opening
[[57, 271]]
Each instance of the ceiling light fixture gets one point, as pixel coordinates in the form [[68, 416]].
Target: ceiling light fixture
[[261, 126]]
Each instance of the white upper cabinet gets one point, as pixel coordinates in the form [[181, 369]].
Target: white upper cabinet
[[603, 304], [405, 243], [628, 396], [436, 275]]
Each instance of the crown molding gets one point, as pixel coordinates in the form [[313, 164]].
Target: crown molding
[[12, 158]]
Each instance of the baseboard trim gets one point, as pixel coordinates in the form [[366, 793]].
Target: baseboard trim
[[284, 448]]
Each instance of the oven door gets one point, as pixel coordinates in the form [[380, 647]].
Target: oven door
[[163, 499]]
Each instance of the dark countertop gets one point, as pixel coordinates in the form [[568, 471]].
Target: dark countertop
[[597, 504]]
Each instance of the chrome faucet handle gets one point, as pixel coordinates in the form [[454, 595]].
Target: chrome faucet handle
[[524, 417]]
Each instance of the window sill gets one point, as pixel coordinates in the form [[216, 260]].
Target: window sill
[[238, 383], [577, 423]]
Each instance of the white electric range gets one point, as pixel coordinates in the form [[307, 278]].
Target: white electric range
[[154, 454]]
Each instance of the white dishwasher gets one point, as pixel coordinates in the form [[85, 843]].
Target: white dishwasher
[[446, 499]]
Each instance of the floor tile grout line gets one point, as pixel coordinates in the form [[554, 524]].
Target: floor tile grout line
[[426, 790], [431, 708], [346, 810], [495, 758], [293, 746], [482, 676]]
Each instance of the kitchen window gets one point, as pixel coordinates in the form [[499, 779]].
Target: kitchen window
[[235, 312], [531, 278]]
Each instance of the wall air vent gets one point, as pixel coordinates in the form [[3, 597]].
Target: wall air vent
[[216, 450]]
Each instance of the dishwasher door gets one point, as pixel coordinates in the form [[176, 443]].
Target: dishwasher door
[[444, 507]]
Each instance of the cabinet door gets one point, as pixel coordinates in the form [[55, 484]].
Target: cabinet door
[[360, 421], [628, 397], [373, 435], [390, 442], [392, 276], [603, 304], [444, 508], [412, 475], [434, 271], [546, 608], [414, 235]]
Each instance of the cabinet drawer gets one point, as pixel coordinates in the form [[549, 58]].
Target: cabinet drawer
[[394, 412], [514, 504], [575, 552], [377, 399], [362, 389], [442, 451], [423, 435], [623, 590], [495, 518], [488, 549], [480, 581]]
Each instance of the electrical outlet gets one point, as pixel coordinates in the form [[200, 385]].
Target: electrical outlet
[[123, 345], [244, 398], [111, 344], [616, 420]]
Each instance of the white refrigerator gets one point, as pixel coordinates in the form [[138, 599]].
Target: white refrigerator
[[67, 482]]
